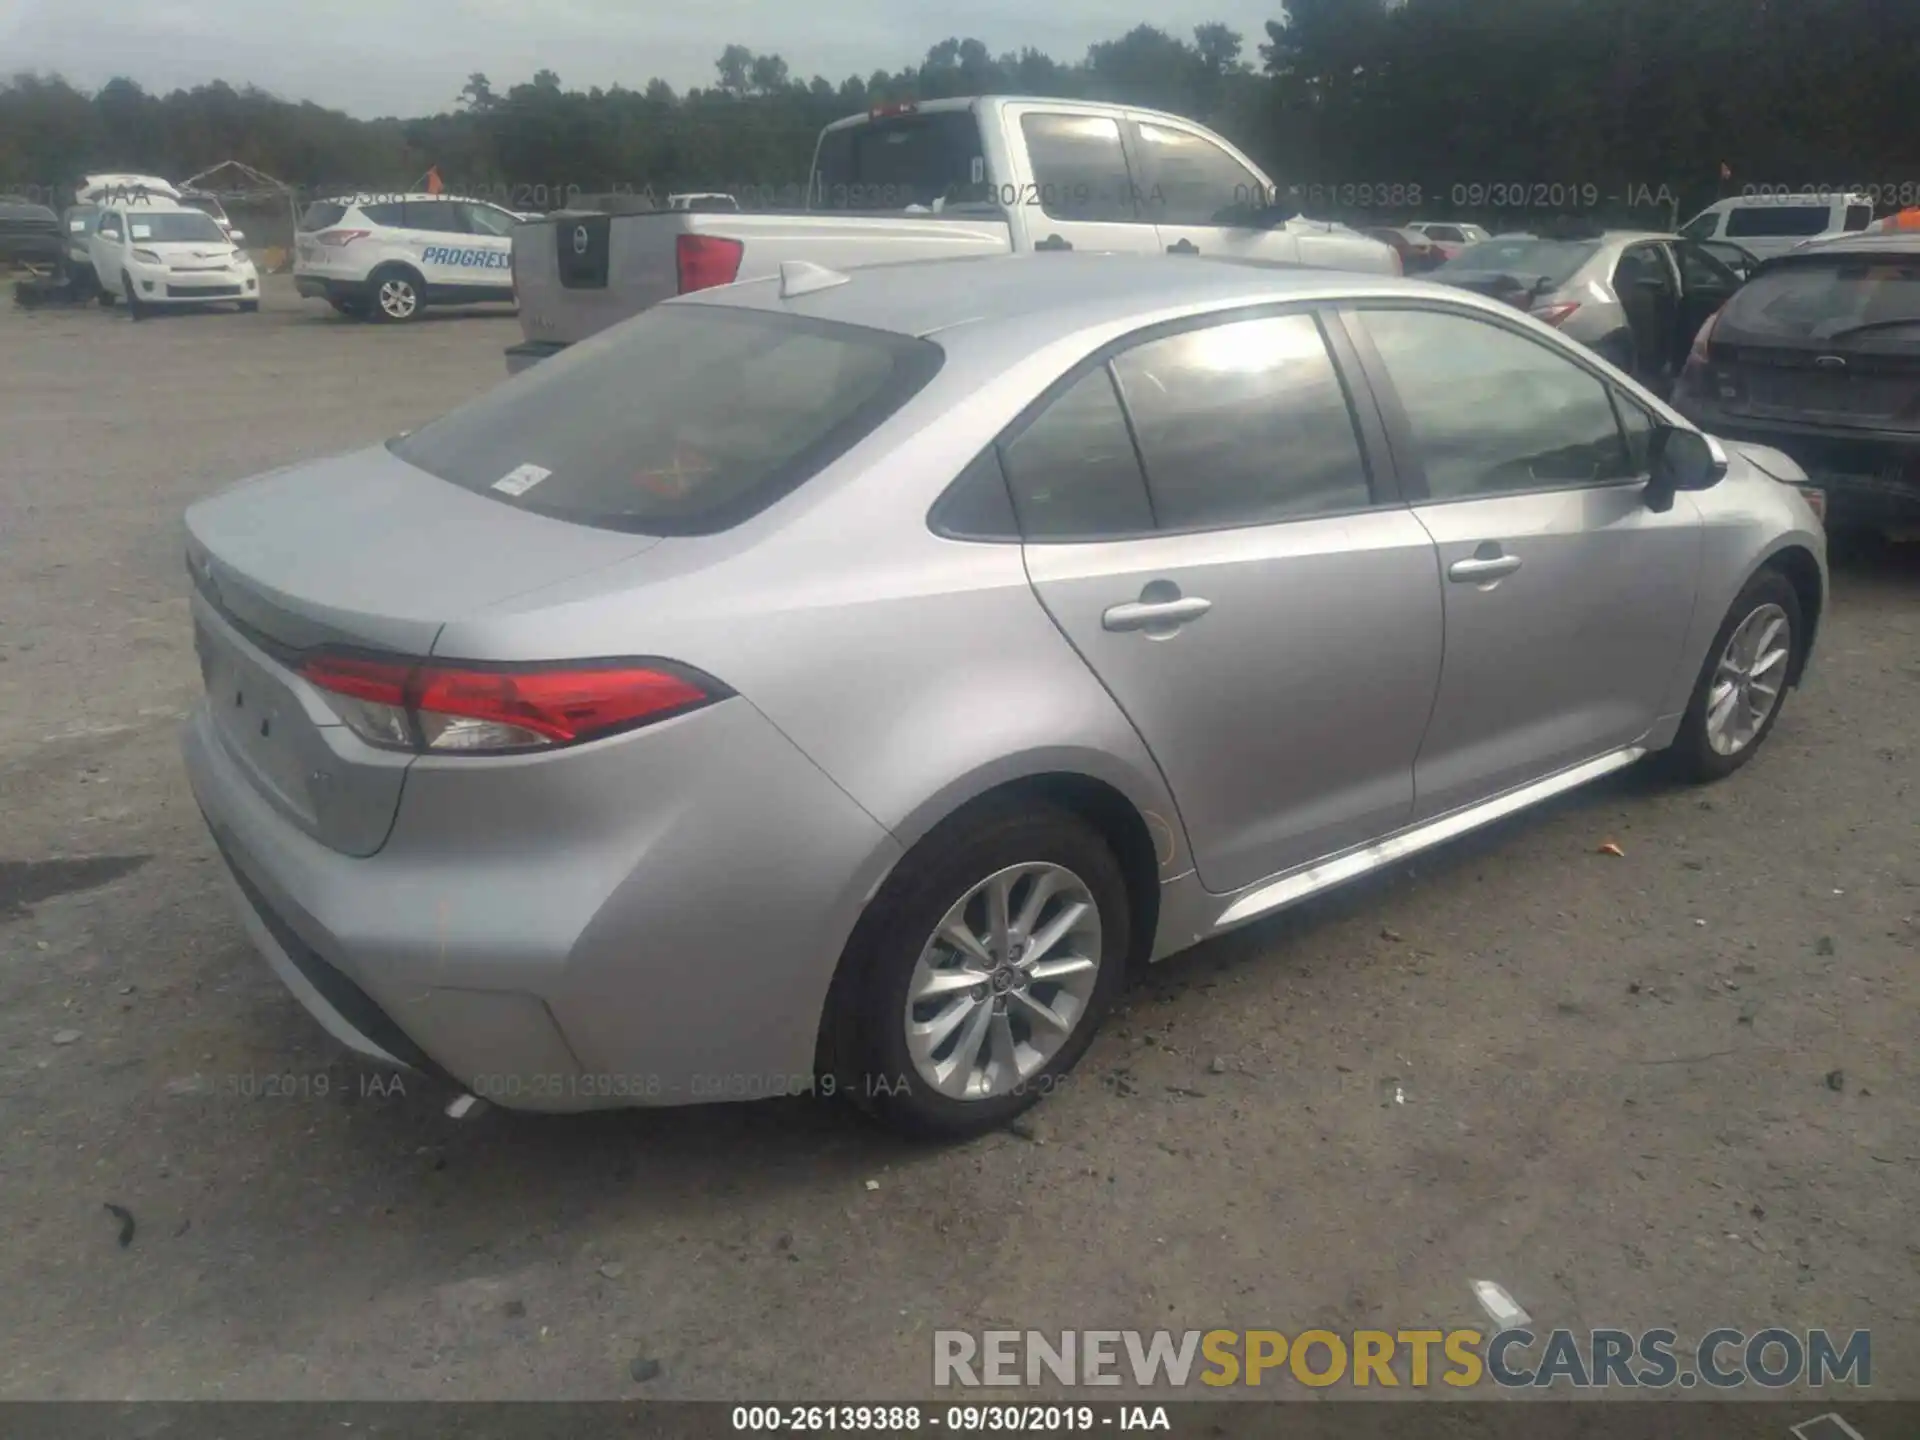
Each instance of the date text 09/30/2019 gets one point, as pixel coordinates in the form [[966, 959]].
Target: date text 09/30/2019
[[958, 1419]]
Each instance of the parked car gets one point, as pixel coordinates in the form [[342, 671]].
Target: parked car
[[388, 257], [1819, 356], [964, 177], [1417, 253], [852, 674], [29, 235], [1769, 225], [1446, 236], [160, 253], [1637, 297]]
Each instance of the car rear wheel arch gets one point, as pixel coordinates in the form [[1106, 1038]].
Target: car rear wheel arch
[[1106, 809]]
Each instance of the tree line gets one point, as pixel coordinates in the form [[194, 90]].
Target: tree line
[[1367, 104]]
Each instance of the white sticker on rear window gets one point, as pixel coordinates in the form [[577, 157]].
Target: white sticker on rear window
[[978, 171], [521, 479], [142, 232]]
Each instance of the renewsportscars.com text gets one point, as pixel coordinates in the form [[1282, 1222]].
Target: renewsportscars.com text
[[1722, 1359]]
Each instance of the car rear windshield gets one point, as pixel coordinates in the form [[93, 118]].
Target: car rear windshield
[[322, 215], [903, 160], [179, 225], [1550, 260], [686, 420], [1829, 298]]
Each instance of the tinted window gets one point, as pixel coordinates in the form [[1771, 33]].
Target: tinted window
[[443, 216], [485, 220], [1859, 217], [386, 213], [1701, 227], [977, 505], [1825, 298], [1243, 424], [110, 225], [1073, 471], [1777, 220], [1079, 166], [905, 160], [684, 420], [1642, 267], [1192, 181], [1700, 270], [1449, 233], [322, 215], [1492, 411]]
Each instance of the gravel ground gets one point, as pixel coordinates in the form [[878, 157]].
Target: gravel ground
[[1673, 1087]]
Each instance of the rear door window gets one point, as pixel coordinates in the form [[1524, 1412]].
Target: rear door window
[[1189, 180], [1858, 217], [322, 215], [1073, 470], [1776, 221], [444, 217], [388, 213], [1079, 166], [685, 420], [1244, 423]]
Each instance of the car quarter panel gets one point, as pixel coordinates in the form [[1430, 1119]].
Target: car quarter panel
[[553, 929]]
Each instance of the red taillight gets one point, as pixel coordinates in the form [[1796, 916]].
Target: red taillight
[[1691, 373], [480, 708], [704, 261], [334, 239], [1555, 315]]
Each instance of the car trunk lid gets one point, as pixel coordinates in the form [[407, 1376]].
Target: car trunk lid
[[363, 552]]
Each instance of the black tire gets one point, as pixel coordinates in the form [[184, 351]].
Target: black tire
[[249, 307], [380, 310], [352, 309], [103, 295], [135, 310], [871, 1064], [1692, 757]]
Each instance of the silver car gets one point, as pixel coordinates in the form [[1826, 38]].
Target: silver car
[[1638, 297], [840, 682]]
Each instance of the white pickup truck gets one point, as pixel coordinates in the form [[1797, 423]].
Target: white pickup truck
[[979, 176]]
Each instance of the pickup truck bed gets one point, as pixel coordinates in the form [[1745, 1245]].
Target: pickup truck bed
[[577, 273]]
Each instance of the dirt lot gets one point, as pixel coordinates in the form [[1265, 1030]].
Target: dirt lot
[[1677, 1087]]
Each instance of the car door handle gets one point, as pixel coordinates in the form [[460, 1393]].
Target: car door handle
[[1479, 569], [1142, 614]]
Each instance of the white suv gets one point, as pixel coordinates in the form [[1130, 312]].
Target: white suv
[[388, 257], [161, 252]]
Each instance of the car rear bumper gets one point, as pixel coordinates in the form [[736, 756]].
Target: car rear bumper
[[326, 287], [1870, 477], [651, 920], [529, 353]]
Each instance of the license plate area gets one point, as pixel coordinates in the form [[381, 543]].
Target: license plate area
[[261, 720]]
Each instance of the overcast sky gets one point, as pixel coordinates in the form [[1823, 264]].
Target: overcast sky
[[410, 57]]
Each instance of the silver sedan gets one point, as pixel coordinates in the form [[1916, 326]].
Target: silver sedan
[[840, 682]]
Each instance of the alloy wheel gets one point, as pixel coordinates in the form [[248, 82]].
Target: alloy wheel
[[1748, 679], [1003, 981], [398, 299]]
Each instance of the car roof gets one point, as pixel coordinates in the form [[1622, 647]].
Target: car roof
[[1053, 295], [1881, 242], [968, 102], [153, 205]]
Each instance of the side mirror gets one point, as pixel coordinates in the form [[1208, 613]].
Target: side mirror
[[236, 236], [1681, 460]]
